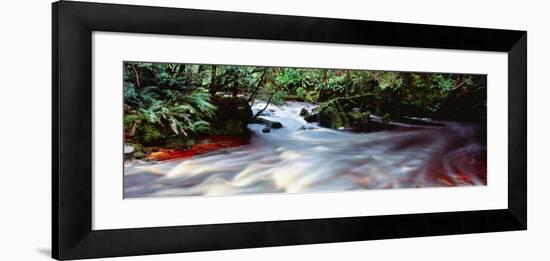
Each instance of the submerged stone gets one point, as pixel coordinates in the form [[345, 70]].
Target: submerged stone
[[307, 127]]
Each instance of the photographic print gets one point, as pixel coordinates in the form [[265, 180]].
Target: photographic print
[[220, 130]]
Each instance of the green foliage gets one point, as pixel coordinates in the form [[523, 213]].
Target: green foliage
[[278, 97], [185, 116], [201, 100], [388, 80], [442, 83], [172, 104], [289, 78], [151, 135], [301, 92], [330, 117], [307, 95], [164, 106]]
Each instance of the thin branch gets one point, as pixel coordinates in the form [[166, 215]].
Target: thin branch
[[134, 128], [349, 98], [260, 82], [258, 70], [458, 86], [267, 104]]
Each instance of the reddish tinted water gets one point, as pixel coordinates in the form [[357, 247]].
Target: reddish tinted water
[[210, 144]]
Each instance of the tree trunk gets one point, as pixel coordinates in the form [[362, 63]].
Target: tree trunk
[[181, 69], [138, 84], [213, 81], [235, 90], [324, 86]]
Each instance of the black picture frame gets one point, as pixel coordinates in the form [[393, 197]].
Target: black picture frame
[[73, 24]]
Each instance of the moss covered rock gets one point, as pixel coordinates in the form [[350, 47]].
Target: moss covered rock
[[329, 117], [138, 155], [358, 117], [179, 142], [312, 116], [232, 116]]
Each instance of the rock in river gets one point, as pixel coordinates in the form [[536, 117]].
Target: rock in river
[[314, 117], [307, 127], [233, 115], [268, 123]]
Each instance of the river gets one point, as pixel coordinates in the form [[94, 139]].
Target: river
[[303, 158]]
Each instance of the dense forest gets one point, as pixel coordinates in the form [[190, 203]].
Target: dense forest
[[174, 105]]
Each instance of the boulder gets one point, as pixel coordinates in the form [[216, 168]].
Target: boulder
[[268, 123], [304, 112], [313, 117], [357, 117], [266, 130], [233, 114], [330, 118], [138, 155], [276, 125]]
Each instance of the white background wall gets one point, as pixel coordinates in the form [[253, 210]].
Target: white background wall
[[25, 68]]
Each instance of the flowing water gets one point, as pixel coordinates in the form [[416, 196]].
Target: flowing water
[[302, 158]]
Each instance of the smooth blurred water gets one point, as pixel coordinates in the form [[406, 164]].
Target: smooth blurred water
[[297, 160]]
